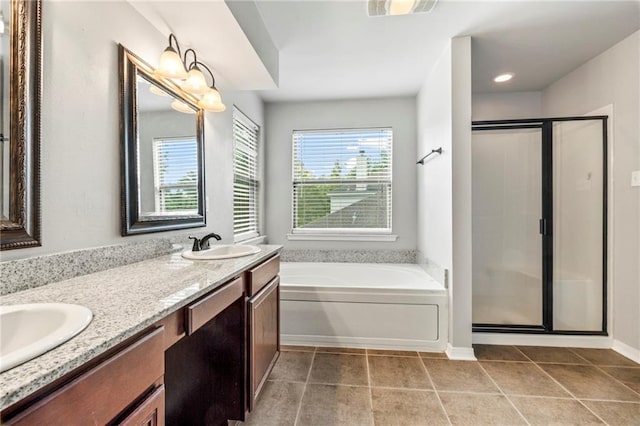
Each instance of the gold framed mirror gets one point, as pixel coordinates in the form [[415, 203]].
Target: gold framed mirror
[[21, 75], [162, 131]]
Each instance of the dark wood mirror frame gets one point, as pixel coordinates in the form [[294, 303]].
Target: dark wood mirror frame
[[22, 229], [130, 67]]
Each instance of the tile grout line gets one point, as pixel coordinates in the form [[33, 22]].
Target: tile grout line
[[503, 392], [366, 360], [433, 385], [304, 389], [598, 367], [590, 364], [562, 386]]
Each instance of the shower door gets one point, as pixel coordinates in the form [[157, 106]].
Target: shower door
[[539, 225], [507, 206]]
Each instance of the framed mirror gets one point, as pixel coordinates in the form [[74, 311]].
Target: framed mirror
[[20, 90], [162, 152]]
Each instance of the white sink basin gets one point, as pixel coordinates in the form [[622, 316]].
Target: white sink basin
[[28, 331], [224, 251]]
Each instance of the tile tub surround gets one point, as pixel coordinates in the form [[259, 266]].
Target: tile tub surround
[[341, 386], [349, 256], [124, 301]]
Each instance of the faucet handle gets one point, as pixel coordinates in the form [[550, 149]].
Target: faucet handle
[[196, 243]]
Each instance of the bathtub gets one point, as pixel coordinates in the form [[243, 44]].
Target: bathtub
[[379, 305]]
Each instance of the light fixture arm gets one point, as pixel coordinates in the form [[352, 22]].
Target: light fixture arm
[[173, 65], [175, 39], [213, 79], [192, 63]]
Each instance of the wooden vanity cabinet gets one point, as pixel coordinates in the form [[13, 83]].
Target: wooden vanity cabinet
[[263, 326], [205, 364], [123, 384]]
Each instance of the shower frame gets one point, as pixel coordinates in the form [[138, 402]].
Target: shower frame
[[546, 223]]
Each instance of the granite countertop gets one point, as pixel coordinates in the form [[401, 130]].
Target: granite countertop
[[124, 301]]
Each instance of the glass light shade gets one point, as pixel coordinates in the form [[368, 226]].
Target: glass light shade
[[212, 101], [195, 82], [401, 7], [182, 107], [171, 65], [158, 91]]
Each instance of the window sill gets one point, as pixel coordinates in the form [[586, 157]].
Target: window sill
[[342, 237]]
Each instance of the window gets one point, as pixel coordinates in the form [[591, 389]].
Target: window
[[342, 181], [175, 171], [245, 177]]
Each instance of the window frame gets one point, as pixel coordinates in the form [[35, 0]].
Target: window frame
[[342, 234], [253, 182]]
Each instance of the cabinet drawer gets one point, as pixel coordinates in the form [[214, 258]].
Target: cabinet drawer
[[100, 394], [262, 274], [200, 312], [149, 413]]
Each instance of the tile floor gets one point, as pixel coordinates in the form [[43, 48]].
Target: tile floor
[[508, 385]]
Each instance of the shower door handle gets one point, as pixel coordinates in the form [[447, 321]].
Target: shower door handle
[[543, 226]]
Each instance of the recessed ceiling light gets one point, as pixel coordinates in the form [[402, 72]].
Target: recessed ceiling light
[[503, 77]]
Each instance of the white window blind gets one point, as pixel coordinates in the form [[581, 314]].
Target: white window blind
[[342, 180], [245, 177], [175, 166]]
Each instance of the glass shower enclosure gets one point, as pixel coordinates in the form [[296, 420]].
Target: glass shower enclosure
[[539, 225]]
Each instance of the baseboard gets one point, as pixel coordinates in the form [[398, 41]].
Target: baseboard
[[626, 350], [460, 353], [362, 342], [543, 340]]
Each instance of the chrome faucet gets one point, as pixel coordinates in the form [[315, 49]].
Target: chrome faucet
[[203, 243]]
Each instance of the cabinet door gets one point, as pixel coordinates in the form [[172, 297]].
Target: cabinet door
[[149, 413], [99, 395], [264, 336]]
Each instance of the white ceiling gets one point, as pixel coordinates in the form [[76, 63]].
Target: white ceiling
[[333, 50]]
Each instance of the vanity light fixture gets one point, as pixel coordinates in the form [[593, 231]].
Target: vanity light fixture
[[190, 77], [503, 77]]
